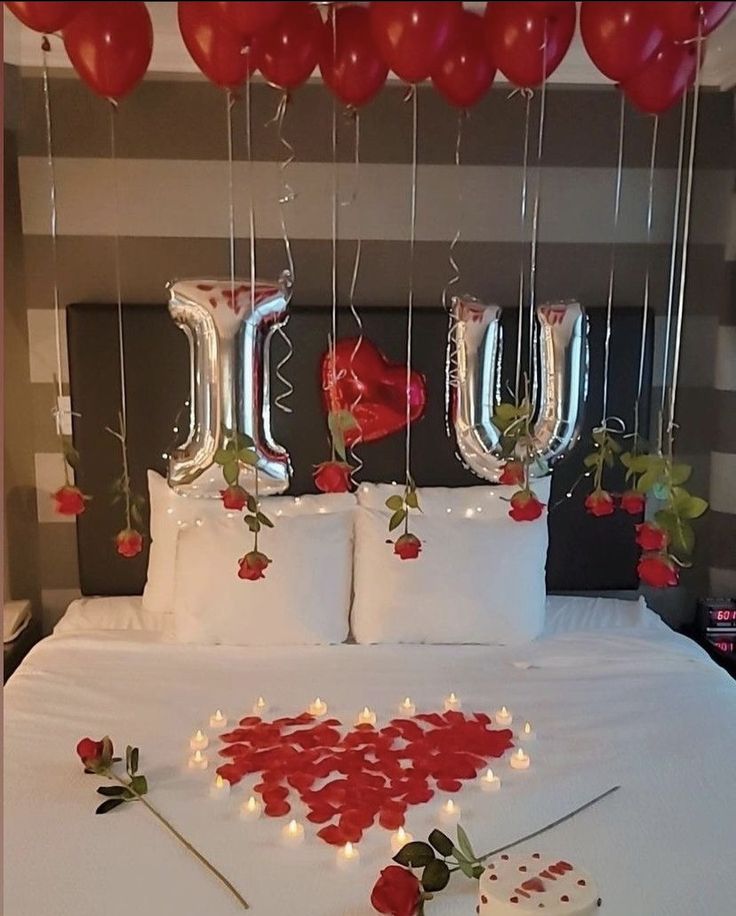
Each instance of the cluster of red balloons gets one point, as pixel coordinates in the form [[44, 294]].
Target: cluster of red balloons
[[650, 49]]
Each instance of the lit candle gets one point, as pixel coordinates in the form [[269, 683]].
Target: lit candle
[[260, 707], [217, 720], [251, 810], [400, 839], [489, 782], [198, 761], [503, 717], [449, 813], [452, 702], [366, 717], [407, 707], [198, 741], [318, 707], [348, 856], [220, 788], [293, 833], [520, 760], [527, 733]]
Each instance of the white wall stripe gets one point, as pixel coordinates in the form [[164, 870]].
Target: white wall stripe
[[188, 199], [722, 488], [42, 345], [725, 377]]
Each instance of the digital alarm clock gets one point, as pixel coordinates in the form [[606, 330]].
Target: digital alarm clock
[[716, 615]]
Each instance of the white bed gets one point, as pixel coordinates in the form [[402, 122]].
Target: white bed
[[615, 696]]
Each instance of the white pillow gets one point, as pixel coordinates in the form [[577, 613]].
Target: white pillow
[[481, 501], [304, 598], [477, 580], [171, 511], [569, 613], [114, 612]]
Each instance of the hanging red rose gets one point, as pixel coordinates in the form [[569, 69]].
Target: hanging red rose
[[234, 497], [253, 565], [69, 500], [397, 892], [129, 543], [633, 502], [332, 477], [408, 547], [599, 503], [658, 571], [512, 474], [651, 537], [525, 507]]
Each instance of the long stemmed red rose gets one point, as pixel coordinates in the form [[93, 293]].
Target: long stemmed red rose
[[334, 476], [517, 447], [97, 757], [407, 546], [129, 540]]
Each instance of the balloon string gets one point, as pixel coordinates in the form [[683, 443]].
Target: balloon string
[[535, 225], [333, 216], [229, 105], [527, 95], [671, 284], [357, 462], [413, 96], [612, 268], [685, 243], [451, 380], [645, 311]]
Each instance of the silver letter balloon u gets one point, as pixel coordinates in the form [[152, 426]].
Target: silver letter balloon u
[[230, 379], [475, 371]]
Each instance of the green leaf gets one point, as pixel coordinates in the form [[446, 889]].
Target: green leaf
[[683, 538], [506, 412], [395, 503], [264, 520], [614, 446], [590, 461], [128, 752], [244, 442], [478, 870], [465, 867], [464, 843], [679, 473], [252, 522], [113, 791], [245, 454], [109, 805], [415, 855], [222, 456], [412, 500], [435, 876], [667, 520], [135, 515], [647, 480], [134, 761], [443, 844], [694, 507], [396, 519], [230, 472], [251, 503], [139, 785], [249, 458]]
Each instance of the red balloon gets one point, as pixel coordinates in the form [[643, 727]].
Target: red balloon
[[349, 62], [287, 53], [410, 36], [214, 48], [465, 72], [250, 18], [679, 21], [110, 46], [620, 37], [378, 386], [45, 17], [515, 35], [664, 80]]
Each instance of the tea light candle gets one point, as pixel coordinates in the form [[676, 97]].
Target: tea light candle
[[217, 720], [198, 761], [503, 717], [527, 733], [520, 760], [260, 707], [318, 707], [366, 717], [198, 741], [293, 833], [452, 702], [220, 788], [400, 839], [449, 813], [348, 856], [251, 810], [407, 707], [489, 782]]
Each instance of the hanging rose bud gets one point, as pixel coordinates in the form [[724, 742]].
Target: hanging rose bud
[[651, 537], [234, 497], [633, 502], [599, 503], [253, 565], [69, 500], [512, 474], [408, 547], [332, 477], [658, 571], [525, 507], [129, 543]]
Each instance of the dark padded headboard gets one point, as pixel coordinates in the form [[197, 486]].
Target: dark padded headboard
[[584, 553]]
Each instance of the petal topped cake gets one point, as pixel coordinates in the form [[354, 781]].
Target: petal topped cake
[[532, 883]]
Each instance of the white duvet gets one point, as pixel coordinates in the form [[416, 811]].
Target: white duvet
[[635, 706]]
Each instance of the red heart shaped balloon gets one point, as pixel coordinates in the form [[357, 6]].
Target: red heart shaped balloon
[[372, 388]]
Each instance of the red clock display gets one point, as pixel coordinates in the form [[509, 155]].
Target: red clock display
[[717, 614], [722, 616]]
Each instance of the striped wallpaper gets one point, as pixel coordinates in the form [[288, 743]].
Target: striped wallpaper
[[173, 222]]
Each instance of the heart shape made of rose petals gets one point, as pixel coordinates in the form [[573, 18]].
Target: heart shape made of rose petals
[[347, 781]]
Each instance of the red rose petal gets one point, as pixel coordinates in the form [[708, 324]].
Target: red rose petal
[[449, 785], [277, 808], [333, 835], [391, 819]]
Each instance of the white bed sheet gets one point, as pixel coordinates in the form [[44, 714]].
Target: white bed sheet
[[635, 706]]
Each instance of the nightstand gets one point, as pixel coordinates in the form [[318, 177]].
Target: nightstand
[[720, 647], [16, 650]]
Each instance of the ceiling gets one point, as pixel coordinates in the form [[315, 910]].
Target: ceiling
[[23, 47]]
